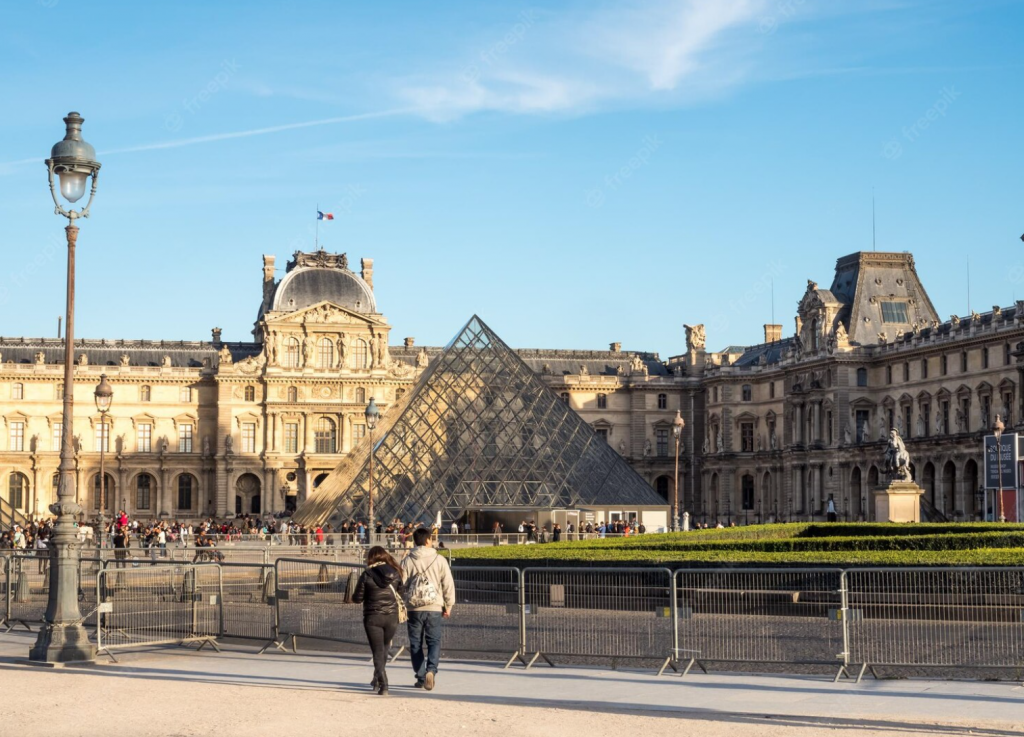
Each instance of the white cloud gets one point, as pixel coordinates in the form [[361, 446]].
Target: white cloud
[[570, 64]]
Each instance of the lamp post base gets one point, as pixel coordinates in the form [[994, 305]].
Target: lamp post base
[[63, 644]]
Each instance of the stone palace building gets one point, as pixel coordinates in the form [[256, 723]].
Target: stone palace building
[[772, 430]]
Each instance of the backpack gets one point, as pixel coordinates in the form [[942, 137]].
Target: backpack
[[419, 591]]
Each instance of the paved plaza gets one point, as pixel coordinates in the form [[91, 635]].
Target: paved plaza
[[177, 691]]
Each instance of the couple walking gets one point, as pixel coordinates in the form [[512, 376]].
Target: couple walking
[[420, 592]]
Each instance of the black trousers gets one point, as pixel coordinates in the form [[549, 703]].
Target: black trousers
[[380, 631]]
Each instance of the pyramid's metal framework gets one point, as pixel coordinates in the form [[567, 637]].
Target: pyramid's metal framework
[[479, 430]]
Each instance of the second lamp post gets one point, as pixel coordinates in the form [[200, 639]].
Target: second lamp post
[[372, 414], [677, 432], [104, 395]]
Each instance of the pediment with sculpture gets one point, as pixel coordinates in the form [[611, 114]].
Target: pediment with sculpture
[[324, 313]]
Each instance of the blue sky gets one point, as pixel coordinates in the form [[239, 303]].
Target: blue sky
[[575, 172]]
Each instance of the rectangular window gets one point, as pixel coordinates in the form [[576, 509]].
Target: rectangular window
[[894, 312], [661, 441], [906, 372], [1006, 354], [747, 489], [924, 368], [59, 392], [828, 424], [602, 401], [906, 422], [17, 391], [945, 418], [963, 362], [248, 437], [103, 437], [359, 432], [17, 436], [291, 437], [984, 358], [926, 415], [944, 365], [185, 395], [748, 392], [747, 437], [888, 374], [143, 491], [144, 438], [863, 420], [771, 390], [184, 438], [57, 436], [602, 432]]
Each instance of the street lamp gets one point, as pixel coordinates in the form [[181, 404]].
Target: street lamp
[[998, 428], [103, 395], [62, 638], [372, 414], [677, 432]]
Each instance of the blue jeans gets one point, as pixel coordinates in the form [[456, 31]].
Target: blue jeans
[[425, 626]]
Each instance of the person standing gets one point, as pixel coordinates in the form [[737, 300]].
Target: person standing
[[430, 594], [378, 590]]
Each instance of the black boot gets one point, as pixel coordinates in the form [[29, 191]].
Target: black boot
[[382, 682]]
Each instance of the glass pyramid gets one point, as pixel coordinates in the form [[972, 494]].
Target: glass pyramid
[[479, 430]]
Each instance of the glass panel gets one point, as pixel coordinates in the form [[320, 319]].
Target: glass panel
[[480, 429]]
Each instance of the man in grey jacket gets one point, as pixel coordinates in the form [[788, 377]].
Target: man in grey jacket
[[426, 620]]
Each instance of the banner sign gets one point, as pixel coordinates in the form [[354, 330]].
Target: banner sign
[[1007, 459]]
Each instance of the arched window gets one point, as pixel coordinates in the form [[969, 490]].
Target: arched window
[[143, 491], [250, 394], [291, 353], [324, 353], [663, 401], [293, 394], [17, 490], [326, 435], [145, 393], [360, 395], [186, 486], [360, 354]]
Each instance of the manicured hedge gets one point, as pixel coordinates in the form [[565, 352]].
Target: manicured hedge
[[794, 543]]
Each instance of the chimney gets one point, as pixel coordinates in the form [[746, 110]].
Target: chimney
[[268, 278], [216, 336], [367, 273], [615, 347], [410, 342], [772, 333]]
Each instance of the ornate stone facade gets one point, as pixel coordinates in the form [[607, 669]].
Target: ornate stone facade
[[771, 432], [201, 428], [869, 355]]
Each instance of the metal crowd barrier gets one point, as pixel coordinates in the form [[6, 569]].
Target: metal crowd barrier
[[26, 589], [606, 613], [966, 618], [248, 601], [156, 606], [760, 616]]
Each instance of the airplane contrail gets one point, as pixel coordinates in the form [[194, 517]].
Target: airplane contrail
[[234, 134]]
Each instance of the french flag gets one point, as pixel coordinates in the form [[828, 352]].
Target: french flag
[[324, 215]]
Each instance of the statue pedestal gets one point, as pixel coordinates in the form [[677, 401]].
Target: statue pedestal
[[900, 501]]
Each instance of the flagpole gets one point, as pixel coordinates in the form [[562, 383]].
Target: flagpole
[[317, 244]]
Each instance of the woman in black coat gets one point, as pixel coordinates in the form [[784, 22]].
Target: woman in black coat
[[379, 588]]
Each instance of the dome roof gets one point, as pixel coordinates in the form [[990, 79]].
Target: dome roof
[[303, 287]]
